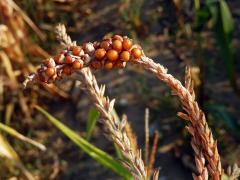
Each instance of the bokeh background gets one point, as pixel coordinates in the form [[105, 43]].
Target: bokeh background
[[202, 34]]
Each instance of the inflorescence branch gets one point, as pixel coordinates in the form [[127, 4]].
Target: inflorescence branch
[[115, 52], [73, 59]]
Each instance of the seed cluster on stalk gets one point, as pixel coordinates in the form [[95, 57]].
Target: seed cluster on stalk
[[114, 53], [109, 53]]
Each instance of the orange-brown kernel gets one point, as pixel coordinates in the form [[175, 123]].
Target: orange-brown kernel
[[49, 63], [127, 44], [136, 52], [96, 44], [118, 37], [50, 71], [88, 47], [78, 64], [59, 58], [76, 50], [117, 45], [95, 64], [67, 70], [108, 65], [107, 37], [41, 78], [105, 45], [100, 53], [54, 77], [125, 56], [112, 55], [120, 64], [71, 48], [69, 59]]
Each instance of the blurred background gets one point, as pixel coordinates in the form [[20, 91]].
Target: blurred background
[[203, 34]]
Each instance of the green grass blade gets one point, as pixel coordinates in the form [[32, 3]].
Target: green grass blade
[[93, 116], [97, 154], [224, 27], [226, 18], [224, 30], [117, 150]]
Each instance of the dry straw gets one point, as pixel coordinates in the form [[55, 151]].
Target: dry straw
[[203, 144], [233, 172]]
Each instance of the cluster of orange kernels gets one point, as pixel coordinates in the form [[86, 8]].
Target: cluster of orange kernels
[[114, 52], [66, 63], [109, 53]]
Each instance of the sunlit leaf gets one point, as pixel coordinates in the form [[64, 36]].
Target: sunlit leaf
[[93, 116], [226, 18], [224, 27]]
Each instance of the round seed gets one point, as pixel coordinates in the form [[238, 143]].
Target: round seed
[[136, 52], [100, 53], [112, 55], [49, 63], [69, 59], [108, 65], [77, 64], [76, 50], [96, 64], [117, 45], [127, 44], [59, 58], [105, 45], [125, 56], [67, 70], [50, 71], [118, 37]]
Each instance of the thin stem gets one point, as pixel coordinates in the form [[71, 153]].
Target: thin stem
[[146, 120]]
